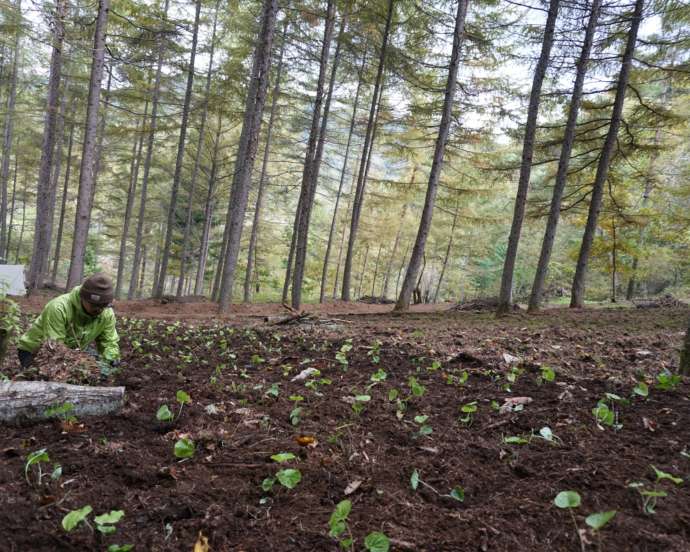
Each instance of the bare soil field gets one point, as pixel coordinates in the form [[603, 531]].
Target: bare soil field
[[445, 431]]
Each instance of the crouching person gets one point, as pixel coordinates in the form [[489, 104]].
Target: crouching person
[[78, 318]]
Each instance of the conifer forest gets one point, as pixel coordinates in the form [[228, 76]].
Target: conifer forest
[[406, 275]]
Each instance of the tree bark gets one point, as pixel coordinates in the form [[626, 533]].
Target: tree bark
[[445, 257], [184, 260], [376, 271], [10, 226], [614, 267], [87, 175], [179, 160], [563, 162], [505, 297], [208, 214], [251, 252], [403, 302], [246, 152], [63, 201], [41, 244], [21, 228], [7, 138], [28, 401], [396, 243], [312, 162], [361, 274], [366, 157], [577, 297], [129, 205], [147, 167], [342, 244], [55, 178], [343, 172]]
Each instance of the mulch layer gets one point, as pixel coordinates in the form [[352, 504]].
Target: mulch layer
[[487, 477]]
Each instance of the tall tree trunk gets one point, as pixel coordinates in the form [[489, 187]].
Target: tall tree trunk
[[366, 156], [376, 271], [402, 266], [577, 297], [131, 193], [403, 302], [246, 152], [564, 161], [447, 255], [147, 166], [63, 202], [361, 274], [55, 177], [614, 267], [7, 137], [41, 245], [343, 172], [142, 277], [10, 226], [312, 163], [251, 251], [87, 175], [396, 243], [684, 365], [184, 260], [505, 297], [21, 228], [342, 244], [179, 160], [208, 215], [157, 264]]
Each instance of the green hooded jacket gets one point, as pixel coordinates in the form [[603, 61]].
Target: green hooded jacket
[[64, 319]]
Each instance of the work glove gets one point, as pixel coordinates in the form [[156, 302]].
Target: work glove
[[26, 359]]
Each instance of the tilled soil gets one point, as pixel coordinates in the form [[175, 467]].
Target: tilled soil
[[240, 383]]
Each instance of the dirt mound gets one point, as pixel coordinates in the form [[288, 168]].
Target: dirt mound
[[484, 304], [667, 301], [57, 362], [371, 300]]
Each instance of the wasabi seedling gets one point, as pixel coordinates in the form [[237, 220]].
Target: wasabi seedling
[[288, 478], [377, 542], [341, 355], [75, 517], [184, 448], [468, 409], [374, 352], [360, 403], [35, 459], [548, 374], [416, 388], [425, 429], [165, 415], [338, 524], [456, 493], [666, 381]]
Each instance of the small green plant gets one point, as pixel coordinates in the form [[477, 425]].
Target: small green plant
[[184, 448], [379, 376], [435, 365], [341, 355], [256, 360], [649, 496], [641, 389], [424, 429], [416, 388], [62, 411], [288, 477], [377, 542], [105, 523], [338, 524], [468, 409], [374, 352], [34, 460], [547, 375], [360, 402], [456, 493], [606, 411], [164, 413], [75, 517], [273, 391], [666, 381]]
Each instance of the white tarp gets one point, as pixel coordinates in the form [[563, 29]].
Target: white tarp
[[12, 279]]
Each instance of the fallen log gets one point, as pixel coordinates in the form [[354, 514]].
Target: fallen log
[[28, 401]]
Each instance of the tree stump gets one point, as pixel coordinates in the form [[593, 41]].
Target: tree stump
[[28, 401]]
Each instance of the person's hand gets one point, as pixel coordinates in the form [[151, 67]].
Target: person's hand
[[115, 364]]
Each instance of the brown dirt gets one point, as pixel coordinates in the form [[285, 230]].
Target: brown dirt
[[126, 461]]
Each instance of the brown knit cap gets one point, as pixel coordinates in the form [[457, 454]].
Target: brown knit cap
[[97, 290]]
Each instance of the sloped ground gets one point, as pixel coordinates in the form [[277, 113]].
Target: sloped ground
[[239, 380]]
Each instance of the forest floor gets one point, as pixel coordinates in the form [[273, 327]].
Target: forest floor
[[384, 411]]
